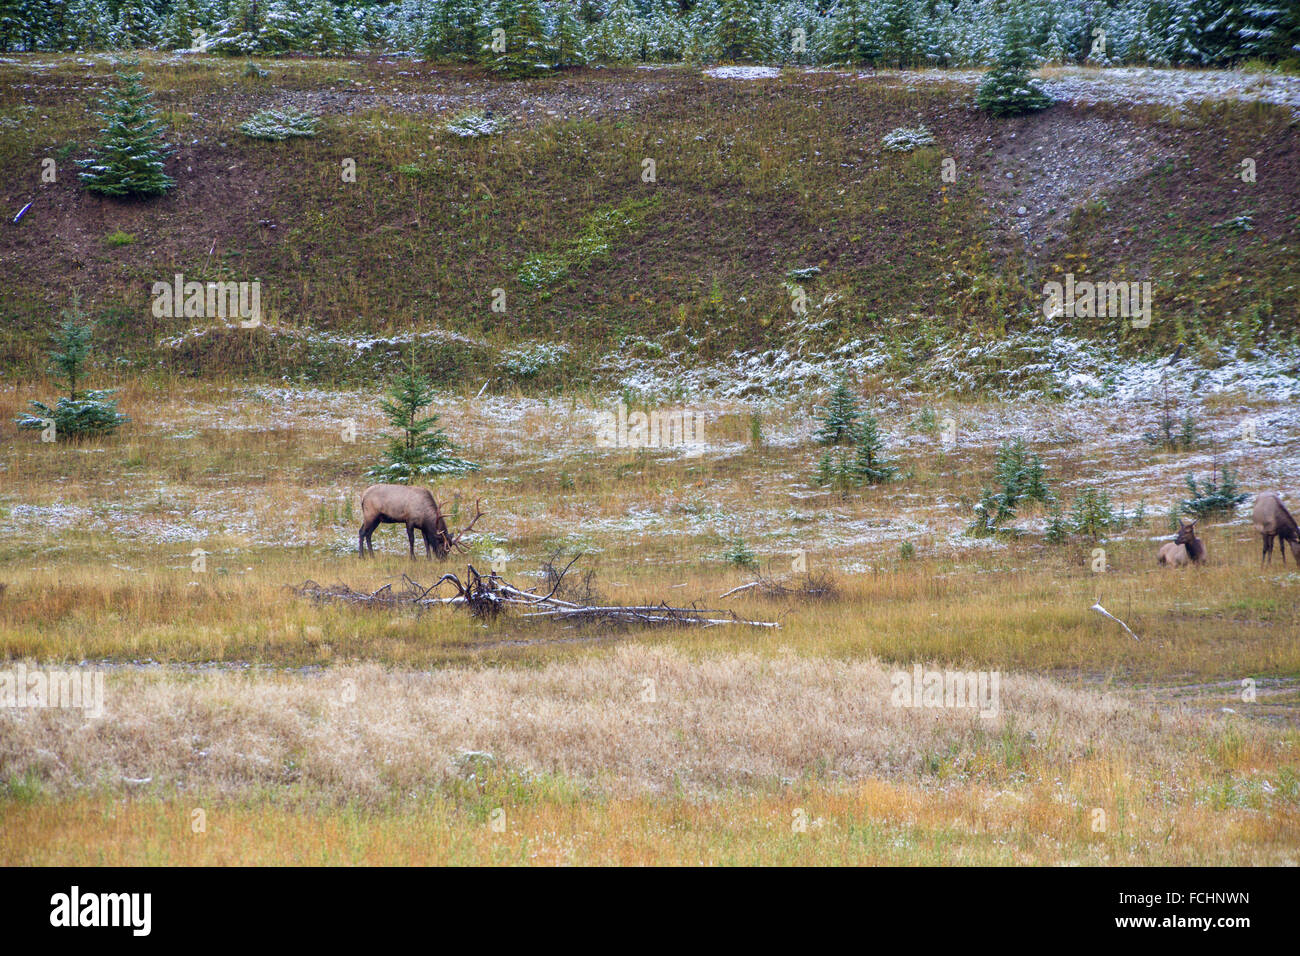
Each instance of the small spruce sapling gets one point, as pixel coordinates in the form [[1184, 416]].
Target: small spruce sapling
[[420, 447], [1008, 89], [839, 420], [128, 157], [77, 415]]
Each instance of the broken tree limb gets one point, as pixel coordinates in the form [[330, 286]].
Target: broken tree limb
[[809, 587], [490, 595]]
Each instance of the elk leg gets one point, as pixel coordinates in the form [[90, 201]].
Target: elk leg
[[410, 537], [1268, 550], [363, 536]]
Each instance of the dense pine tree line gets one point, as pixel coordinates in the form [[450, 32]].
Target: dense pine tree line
[[540, 35]]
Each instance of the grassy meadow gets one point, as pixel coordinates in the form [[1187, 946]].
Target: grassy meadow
[[312, 732], [246, 722]]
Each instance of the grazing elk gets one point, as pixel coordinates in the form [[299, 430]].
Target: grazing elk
[[1272, 520], [413, 507], [1184, 548]]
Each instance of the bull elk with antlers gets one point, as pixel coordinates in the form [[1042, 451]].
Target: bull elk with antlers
[[415, 508]]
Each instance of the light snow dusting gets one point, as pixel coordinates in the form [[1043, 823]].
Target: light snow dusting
[[1085, 86], [742, 72]]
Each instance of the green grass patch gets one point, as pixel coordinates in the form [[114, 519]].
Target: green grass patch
[[598, 233]]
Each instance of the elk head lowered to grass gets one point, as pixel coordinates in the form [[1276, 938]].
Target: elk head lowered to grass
[[1272, 520], [415, 508], [1184, 548]]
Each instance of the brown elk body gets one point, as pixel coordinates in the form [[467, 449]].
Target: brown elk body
[[1172, 555], [400, 504], [1185, 548], [1272, 520]]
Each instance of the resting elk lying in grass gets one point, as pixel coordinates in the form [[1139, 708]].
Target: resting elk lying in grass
[[415, 508], [1184, 548], [1272, 520]]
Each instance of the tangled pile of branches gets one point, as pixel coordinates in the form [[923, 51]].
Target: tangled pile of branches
[[488, 595]]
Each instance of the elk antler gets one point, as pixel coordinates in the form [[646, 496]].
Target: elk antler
[[455, 542]]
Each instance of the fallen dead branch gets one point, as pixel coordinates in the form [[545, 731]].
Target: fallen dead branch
[[487, 595], [809, 587]]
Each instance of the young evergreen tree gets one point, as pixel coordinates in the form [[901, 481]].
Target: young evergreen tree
[[283, 28], [869, 463], [350, 24], [89, 26], [1218, 26], [72, 344], [321, 28], [898, 30], [425, 28], [1268, 29], [1021, 477], [13, 25], [1020, 473], [835, 470], [524, 50], [666, 39], [701, 32], [942, 36], [568, 46], [1092, 515], [1174, 29], [179, 26], [861, 463], [740, 29], [991, 511], [420, 447], [851, 35], [128, 157], [239, 32], [1008, 89], [857, 453], [460, 29], [79, 414], [839, 420], [137, 25], [620, 35]]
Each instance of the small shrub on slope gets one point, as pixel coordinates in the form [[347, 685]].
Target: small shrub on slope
[[280, 124], [905, 139], [469, 124]]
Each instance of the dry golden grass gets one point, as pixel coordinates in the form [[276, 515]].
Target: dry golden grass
[[875, 823], [716, 723], [358, 764], [96, 549]]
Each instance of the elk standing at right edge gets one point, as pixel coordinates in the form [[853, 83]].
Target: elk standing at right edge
[[1272, 520]]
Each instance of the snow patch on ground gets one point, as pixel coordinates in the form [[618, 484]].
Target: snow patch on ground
[[1132, 84], [358, 344], [742, 72], [1028, 363], [1170, 87]]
